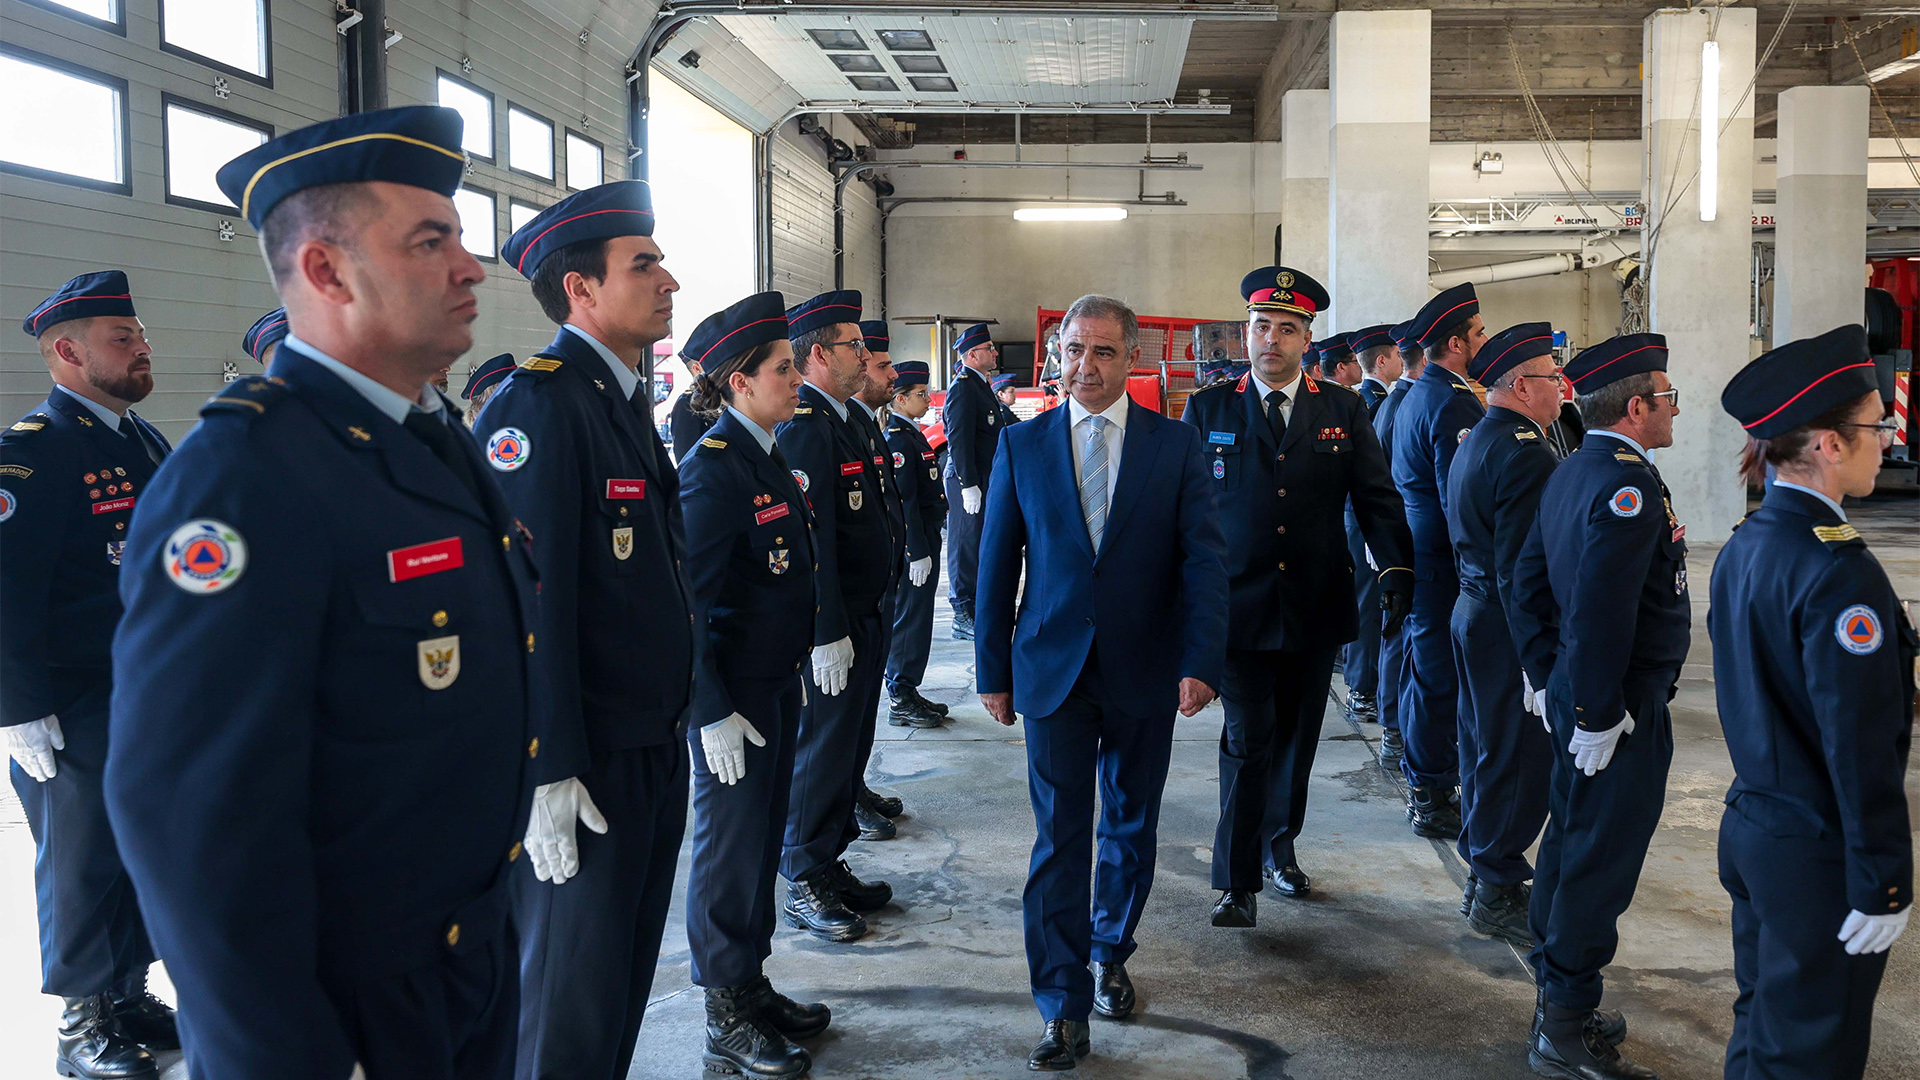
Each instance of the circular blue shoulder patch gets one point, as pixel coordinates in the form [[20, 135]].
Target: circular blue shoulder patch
[[1625, 502], [1858, 630]]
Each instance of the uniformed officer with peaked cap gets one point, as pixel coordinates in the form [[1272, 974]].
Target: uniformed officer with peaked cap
[[916, 470], [1600, 615], [569, 435], [482, 381], [1439, 410], [265, 335], [1393, 647], [1286, 451], [1380, 368], [1335, 361], [322, 840], [71, 472], [1813, 665], [1493, 495], [970, 419]]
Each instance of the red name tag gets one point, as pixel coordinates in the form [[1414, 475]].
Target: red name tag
[[626, 489], [927, 454], [851, 468], [771, 513], [1679, 533], [423, 559], [111, 505]]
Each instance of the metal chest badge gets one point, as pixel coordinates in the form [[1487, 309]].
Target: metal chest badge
[[855, 499], [1219, 468], [777, 560], [439, 662], [623, 543], [114, 548]]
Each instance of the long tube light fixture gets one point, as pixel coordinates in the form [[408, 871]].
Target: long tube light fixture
[[1070, 213], [1709, 130]]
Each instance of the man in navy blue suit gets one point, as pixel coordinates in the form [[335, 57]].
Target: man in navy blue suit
[[1111, 504]]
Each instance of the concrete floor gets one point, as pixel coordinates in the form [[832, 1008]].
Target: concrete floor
[[1377, 976]]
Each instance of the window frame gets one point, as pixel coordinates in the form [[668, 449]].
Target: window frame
[[493, 196], [563, 181], [553, 143], [266, 35], [493, 113], [113, 82], [515, 200], [112, 27], [169, 99]]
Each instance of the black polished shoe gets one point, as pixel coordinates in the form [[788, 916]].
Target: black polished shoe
[[144, 1018], [1500, 911], [92, 1046], [857, 895], [813, 905], [962, 625], [885, 805], [1393, 748], [1062, 1047], [1112, 991], [743, 1041], [1466, 894], [927, 703], [789, 1017], [1433, 818], [1571, 1046], [873, 824], [1290, 880], [1237, 908], [907, 713], [1361, 707]]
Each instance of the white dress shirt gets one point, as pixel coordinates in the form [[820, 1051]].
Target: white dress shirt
[[1292, 390], [394, 406], [1821, 495], [107, 416], [1115, 435], [760, 435], [627, 378]]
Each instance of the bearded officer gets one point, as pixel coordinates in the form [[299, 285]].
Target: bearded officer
[[925, 505], [70, 473], [1393, 647], [322, 843], [971, 421], [1601, 618], [872, 814], [570, 437], [1286, 452]]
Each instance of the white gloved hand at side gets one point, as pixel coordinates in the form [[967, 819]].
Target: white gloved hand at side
[[1873, 933], [1371, 565], [725, 743], [550, 842], [919, 569], [32, 744], [358, 1072], [1534, 701], [971, 499], [1593, 750], [831, 664]]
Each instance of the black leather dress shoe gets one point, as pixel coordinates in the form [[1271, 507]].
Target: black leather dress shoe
[[1062, 1047], [144, 1018], [1362, 708], [1112, 991], [92, 1046], [857, 895], [1392, 748], [907, 713], [1500, 911], [927, 703], [873, 824], [886, 806], [1237, 908], [1432, 817], [789, 1017], [1290, 880], [813, 905], [1570, 1045], [742, 1041]]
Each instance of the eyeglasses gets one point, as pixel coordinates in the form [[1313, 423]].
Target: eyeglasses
[[1555, 377], [1672, 396], [859, 344], [1887, 429]]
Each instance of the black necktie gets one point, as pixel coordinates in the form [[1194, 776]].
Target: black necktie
[[131, 431], [440, 439], [1276, 419]]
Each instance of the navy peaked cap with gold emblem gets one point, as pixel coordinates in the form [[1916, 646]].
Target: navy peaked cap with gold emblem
[[488, 373], [974, 335], [827, 309], [1615, 359], [268, 331], [756, 320], [622, 208], [1281, 288], [1797, 382], [908, 374], [416, 145], [1404, 338], [88, 296], [1371, 337], [874, 331], [1451, 307], [1509, 349]]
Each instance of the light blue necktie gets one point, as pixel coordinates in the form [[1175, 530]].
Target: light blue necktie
[[1093, 479]]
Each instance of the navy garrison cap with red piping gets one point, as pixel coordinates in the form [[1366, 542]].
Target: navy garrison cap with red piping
[[977, 334], [622, 208], [827, 309], [1615, 359], [416, 145], [1451, 307], [758, 319], [1795, 383], [1404, 338], [269, 330], [1509, 349], [1370, 337], [908, 374], [88, 296], [874, 331], [489, 372]]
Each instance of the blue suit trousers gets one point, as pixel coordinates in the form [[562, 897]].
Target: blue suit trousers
[[1505, 755], [1361, 661], [1430, 688], [963, 547], [912, 630], [830, 757]]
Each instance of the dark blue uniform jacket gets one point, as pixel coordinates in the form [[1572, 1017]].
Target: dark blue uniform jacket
[[847, 492], [970, 418], [1494, 493], [917, 473], [1428, 428]]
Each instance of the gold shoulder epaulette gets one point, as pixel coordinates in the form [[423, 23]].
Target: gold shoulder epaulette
[[717, 444], [1628, 456], [31, 422], [1523, 434], [540, 363], [803, 410], [1836, 534]]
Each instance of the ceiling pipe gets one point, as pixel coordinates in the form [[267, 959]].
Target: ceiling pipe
[[1541, 266]]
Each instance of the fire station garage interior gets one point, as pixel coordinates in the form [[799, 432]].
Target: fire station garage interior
[[1732, 177]]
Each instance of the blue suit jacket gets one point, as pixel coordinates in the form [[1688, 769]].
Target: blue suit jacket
[[1439, 409], [1153, 599]]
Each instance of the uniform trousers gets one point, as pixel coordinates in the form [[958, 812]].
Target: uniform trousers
[[963, 546], [1393, 672], [1505, 755], [92, 938], [874, 675], [1430, 688], [1596, 840], [912, 635], [1275, 702], [828, 762], [737, 832], [590, 945], [1072, 917], [1805, 1010], [453, 1020], [1361, 667]]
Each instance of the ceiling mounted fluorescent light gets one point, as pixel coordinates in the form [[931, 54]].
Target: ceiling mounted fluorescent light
[[1709, 130], [1070, 213]]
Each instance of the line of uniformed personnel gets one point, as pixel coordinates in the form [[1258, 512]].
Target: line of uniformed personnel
[[457, 650]]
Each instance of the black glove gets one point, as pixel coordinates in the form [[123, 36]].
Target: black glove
[[1396, 604]]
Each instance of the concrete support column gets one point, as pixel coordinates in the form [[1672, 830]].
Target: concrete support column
[[1304, 228], [1700, 272], [1377, 247], [1820, 244]]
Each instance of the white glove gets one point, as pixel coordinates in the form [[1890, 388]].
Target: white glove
[[1593, 750], [725, 742], [918, 571], [32, 745], [1872, 933], [1534, 701], [358, 1072], [831, 664], [971, 499], [1368, 552], [550, 829]]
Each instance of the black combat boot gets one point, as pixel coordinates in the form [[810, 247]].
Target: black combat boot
[[885, 805], [1572, 1045], [873, 824], [1466, 894], [905, 712], [1361, 707], [814, 906], [789, 1017], [963, 624], [857, 895], [1393, 748], [92, 1046], [1432, 817], [1500, 911], [142, 1017], [927, 703], [741, 1041]]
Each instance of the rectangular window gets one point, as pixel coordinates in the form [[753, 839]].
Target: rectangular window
[[200, 139], [586, 162], [529, 143], [227, 34], [107, 14], [519, 213], [63, 123], [478, 220], [475, 106]]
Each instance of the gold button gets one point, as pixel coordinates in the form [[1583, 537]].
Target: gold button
[[439, 618], [1283, 530], [1282, 457], [1283, 493], [506, 543], [1283, 566], [777, 540], [623, 511], [513, 852], [533, 748], [453, 934], [529, 642]]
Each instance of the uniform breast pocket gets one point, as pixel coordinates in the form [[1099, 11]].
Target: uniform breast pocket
[[1340, 447], [776, 539], [406, 658], [617, 521], [1226, 465]]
